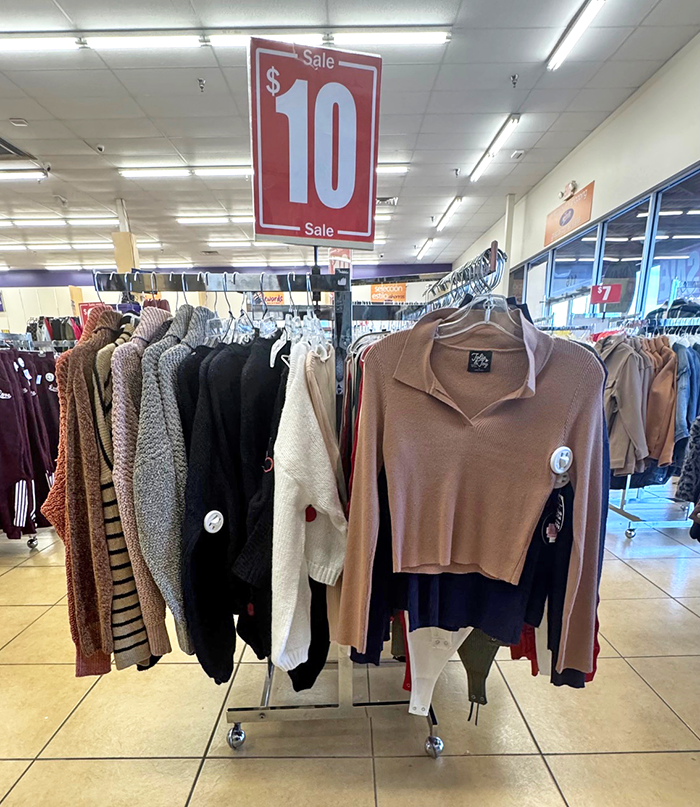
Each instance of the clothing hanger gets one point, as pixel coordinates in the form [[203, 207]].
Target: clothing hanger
[[491, 303], [268, 323], [182, 281]]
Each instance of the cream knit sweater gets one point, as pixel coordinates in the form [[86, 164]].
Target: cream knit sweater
[[304, 477]]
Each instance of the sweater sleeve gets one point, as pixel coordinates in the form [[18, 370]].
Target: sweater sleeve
[[584, 436], [302, 545], [363, 526]]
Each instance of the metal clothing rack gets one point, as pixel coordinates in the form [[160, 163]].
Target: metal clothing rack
[[312, 283]]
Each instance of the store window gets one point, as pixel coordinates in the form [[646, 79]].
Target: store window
[[675, 268], [622, 261], [536, 287], [573, 266], [516, 282]]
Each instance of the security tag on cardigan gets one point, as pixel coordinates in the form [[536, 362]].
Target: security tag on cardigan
[[561, 460], [213, 521]]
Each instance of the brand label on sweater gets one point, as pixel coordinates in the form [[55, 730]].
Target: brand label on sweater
[[479, 361]]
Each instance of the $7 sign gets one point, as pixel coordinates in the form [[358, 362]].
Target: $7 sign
[[315, 125]]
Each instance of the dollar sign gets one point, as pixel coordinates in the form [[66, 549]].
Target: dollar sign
[[274, 86]]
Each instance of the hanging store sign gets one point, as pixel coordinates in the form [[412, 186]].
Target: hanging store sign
[[315, 126], [606, 293], [388, 293], [569, 216]]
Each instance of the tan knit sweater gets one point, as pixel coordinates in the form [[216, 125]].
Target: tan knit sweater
[[467, 462], [126, 405], [54, 508]]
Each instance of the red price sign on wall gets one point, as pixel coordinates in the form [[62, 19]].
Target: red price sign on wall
[[606, 293], [315, 126]]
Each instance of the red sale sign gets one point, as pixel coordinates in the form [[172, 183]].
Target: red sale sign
[[606, 293], [315, 127]]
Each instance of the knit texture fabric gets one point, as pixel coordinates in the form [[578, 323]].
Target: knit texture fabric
[[55, 506], [126, 406], [306, 542], [129, 638]]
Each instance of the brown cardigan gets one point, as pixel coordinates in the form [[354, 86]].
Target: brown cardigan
[[54, 508], [467, 457]]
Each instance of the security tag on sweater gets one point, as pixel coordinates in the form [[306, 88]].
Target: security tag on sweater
[[561, 460], [213, 521], [479, 361]]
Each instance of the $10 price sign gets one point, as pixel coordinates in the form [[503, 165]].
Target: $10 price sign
[[315, 125]]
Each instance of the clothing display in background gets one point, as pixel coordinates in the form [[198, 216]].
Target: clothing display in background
[[28, 439], [54, 329]]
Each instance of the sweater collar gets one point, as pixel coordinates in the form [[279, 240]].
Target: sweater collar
[[415, 369], [178, 327], [151, 322], [196, 332]]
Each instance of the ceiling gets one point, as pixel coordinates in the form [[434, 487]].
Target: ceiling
[[441, 107]]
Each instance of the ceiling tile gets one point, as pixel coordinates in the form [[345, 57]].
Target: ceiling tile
[[624, 74], [408, 78], [369, 12], [404, 102], [456, 77], [623, 12], [198, 105], [401, 124], [548, 100], [598, 44], [42, 148], [563, 139], [161, 58], [545, 155], [504, 101], [578, 121], [86, 107], [456, 158], [86, 14], [655, 43], [38, 129], [675, 12], [600, 100], [247, 13], [135, 146], [571, 75], [505, 45], [453, 140], [523, 14], [230, 126], [173, 81], [58, 84], [389, 142], [537, 121], [121, 127], [438, 123], [32, 15]]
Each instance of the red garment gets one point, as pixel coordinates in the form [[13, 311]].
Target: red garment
[[526, 648]]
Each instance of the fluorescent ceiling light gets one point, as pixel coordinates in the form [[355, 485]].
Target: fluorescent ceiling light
[[447, 215], [225, 171], [12, 248], [392, 168], [574, 32], [314, 40], [250, 263], [38, 43], [391, 38], [39, 223], [643, 238], [670, 212], [12, 175], [142, 42], [93, 222], [229, 40], [607, 238], [624, 260], [424, 249], [149, 245], [610, 259], [382, 217], [565, 260], [203, 220], [693, 213], [48, 247], [148, 173], [65, 267], [249, 219], [686, 237], [379, 242], [227, 244], [671, 257], [93, 245], [5, 223], [496, 145]]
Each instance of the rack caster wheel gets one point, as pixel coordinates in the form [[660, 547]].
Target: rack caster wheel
[[235, 737], [33, 542], [434, 747], [630, 533]]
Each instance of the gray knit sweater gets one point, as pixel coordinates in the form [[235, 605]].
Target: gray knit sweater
[[150, 464], [160, 477]]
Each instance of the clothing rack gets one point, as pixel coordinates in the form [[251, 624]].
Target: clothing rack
[[339, 284]]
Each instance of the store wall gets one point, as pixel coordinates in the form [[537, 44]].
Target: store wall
[[653, 136]]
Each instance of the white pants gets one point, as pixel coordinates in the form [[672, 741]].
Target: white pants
[[429, 649]]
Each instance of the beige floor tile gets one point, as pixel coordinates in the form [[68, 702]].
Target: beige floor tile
[[15, 618], [14, 552], [177, 656], [676, 681], [34, 701], [47, 641], [334, 738], [168, 711], [628, 780], [679, 577], [620, 582], [117, 783], [693, 603], [52, 555], [646, 543], [650, 627], [289, 782], [10, 771], [606, 649], [617, 712], [682, 535], [459, 781], [27, 586], [501, 729]]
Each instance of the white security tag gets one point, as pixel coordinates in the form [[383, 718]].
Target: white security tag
[[561, 460], [213, 521]]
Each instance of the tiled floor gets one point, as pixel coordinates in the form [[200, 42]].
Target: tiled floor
[[631, 739]]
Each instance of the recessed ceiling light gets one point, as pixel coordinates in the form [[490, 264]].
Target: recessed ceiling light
[[424, 249], [142, 42], [153, 173], [574, 32], [19, 122]]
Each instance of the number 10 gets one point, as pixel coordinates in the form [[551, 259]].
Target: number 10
[[295, 105]]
